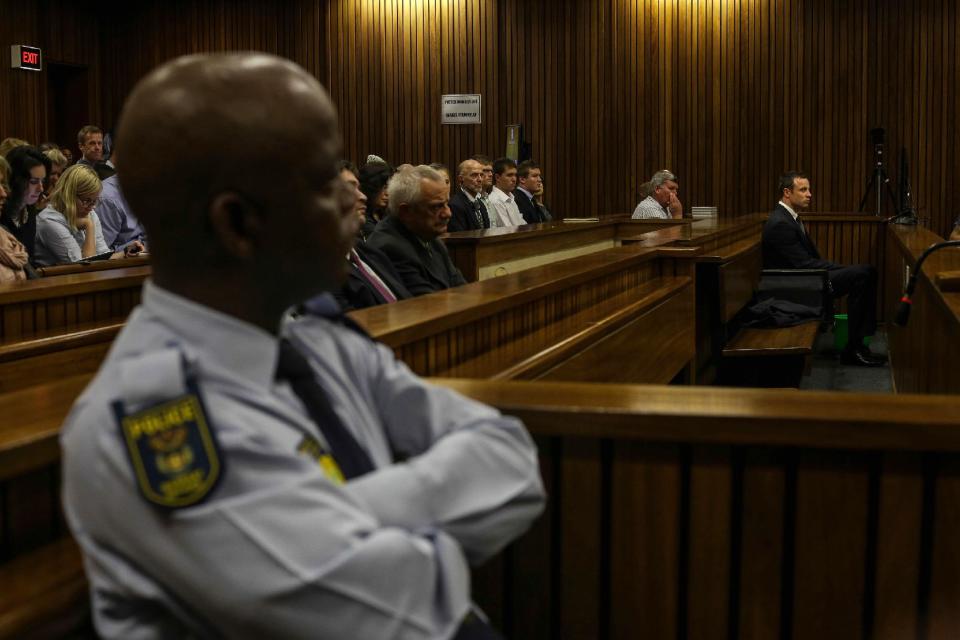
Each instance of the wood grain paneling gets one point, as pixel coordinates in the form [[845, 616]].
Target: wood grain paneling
[[737, 524], [924, 354], [726, 94], [68, 33]]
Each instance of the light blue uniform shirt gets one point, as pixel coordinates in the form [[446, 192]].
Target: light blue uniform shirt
[[278, 549]]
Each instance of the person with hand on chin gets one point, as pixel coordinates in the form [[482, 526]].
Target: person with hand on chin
[[68, 229], [663, 201]]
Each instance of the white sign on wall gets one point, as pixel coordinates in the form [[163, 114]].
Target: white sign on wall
[[460, 109]]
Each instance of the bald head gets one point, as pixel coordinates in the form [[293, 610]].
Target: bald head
[[207, 164], [204, 123], [470, 176]]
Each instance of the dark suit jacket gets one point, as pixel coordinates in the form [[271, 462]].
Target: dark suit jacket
[[358, 293], [422, 269], [786, 246], [464, 218], [531, 213]]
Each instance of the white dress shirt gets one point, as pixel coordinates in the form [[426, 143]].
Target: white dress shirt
[[503, 210]]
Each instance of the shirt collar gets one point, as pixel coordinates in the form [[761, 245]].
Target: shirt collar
[[789, 208], [529, 195], [471, 198], [240, 347], [502, 195]]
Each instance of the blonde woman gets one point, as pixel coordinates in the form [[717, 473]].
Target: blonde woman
[[68, 230]]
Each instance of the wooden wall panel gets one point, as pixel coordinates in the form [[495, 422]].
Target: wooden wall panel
[[727, 93], [142, 35], [67, 33]]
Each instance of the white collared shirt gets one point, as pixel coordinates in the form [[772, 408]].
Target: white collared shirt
[[503, 210], [650, 208], [471, 198]]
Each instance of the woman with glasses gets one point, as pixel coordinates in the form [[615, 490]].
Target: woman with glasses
[[68, 230], [28, 171]]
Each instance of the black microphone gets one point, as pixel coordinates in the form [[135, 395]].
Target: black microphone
[[903, 311]]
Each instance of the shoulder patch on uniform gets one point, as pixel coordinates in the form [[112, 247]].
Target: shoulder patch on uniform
[[173, 451]]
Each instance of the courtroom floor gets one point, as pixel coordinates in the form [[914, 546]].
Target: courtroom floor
[[828, 373]]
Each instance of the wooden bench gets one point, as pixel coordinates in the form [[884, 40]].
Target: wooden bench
[[42, 586], [775, 357], [489, 253], [63, 303], [50, 354], [727, 279], [753, 512], [702, 512], [622, 315], [43, 594], [88, 267]]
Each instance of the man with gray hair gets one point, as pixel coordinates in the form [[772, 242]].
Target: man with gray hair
[[662, 201], [418, 200]]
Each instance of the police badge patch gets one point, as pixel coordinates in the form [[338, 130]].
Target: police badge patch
[[173, 451]]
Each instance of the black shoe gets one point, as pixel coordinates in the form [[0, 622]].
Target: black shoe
[[870, 355], [860, 359]]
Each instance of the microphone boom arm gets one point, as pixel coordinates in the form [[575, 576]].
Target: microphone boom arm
[[903, 311]]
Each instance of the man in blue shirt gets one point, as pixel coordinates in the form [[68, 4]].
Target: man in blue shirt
[[120, 227]]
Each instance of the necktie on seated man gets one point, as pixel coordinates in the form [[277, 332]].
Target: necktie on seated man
[[373, 281], [477, 213], [293, 368]]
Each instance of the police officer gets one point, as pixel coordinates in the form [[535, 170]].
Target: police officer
[[231, 475]]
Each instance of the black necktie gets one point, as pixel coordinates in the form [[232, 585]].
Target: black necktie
[[346, 451]]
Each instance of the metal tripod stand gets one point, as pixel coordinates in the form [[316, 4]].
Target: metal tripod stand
[[879, 180]]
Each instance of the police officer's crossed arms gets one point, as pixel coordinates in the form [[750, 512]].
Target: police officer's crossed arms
[[229, 474]]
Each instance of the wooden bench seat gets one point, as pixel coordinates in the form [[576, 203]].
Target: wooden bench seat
[[774, 357], [31, 424], [778, 341], [43, 594], [623, 315], [562, 351], [50, 354]]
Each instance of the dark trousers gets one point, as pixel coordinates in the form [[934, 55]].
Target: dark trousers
[[859, 284]]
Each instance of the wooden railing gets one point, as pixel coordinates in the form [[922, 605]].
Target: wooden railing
[[704, 512]]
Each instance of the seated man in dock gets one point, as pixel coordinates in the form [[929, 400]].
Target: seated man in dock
[[786, 245], [234, 473]]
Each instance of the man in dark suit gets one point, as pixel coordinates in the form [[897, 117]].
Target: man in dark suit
[[371, 279], [466, 205], [419, 213], [529, 183], [786, 245]]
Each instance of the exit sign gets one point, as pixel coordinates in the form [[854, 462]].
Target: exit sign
[[24, 57]]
